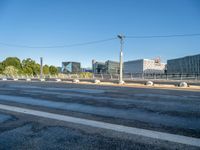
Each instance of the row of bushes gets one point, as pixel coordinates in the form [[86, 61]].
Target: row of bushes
[[86, 75]]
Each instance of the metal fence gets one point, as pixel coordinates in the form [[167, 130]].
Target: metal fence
[[136, 76], [150, 76]]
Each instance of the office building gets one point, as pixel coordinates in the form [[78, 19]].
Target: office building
[[112, 67], [145, 66], [71, 67], [108, 67], [98, 67], [184, 65]]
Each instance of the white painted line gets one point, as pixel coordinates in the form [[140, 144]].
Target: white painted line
[[119, 128]]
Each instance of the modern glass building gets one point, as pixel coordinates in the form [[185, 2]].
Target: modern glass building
[[71, 67], [98, 67], [112, 67], [184, 65], [108, 67]]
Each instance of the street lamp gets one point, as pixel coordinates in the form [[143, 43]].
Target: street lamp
[[121, 37]]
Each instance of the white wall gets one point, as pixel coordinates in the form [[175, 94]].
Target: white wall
[[143, 66]]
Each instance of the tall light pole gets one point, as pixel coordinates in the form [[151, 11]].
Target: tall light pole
[[41, 68], [121, 37]]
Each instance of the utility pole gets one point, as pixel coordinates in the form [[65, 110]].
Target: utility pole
[[41, 68], [121, 37]]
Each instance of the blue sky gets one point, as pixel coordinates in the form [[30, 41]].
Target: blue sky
[[63, 22]]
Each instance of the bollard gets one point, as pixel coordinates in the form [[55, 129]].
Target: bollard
[[58, 80], [122, 82], [28, 79], [42, 80], [75, 81], [183, 84], [97, 81], [149, 83]]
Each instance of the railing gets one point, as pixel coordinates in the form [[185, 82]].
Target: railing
[[140, 76], [135, 76]]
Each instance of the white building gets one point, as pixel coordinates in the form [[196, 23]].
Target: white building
[[144, 66]]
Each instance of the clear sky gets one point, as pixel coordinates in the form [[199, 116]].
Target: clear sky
[[63, 22]]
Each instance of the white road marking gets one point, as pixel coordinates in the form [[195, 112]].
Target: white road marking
[[119, 128], [134, 113]]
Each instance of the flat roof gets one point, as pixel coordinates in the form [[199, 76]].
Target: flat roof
[[184, 57], [141, 60]]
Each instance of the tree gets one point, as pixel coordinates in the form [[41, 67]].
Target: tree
[[27, 70], [46, 69], [30, 67], [28, 62], [36, 69], [10, 71], [1, 68], [12, 61], [27, 67], [53, 70]]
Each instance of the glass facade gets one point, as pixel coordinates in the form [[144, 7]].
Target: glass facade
[[109, 67], [185, 65], [112, 67], [71, 67]]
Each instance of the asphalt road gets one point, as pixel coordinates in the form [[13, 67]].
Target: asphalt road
[[167, 111]]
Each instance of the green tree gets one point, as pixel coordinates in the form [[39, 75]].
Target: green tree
[[36, 70], [27, 70], [10, 71], [59, 69], [30, 67], [12, 61], [45, 69], [53, 70], [28, 62], [27, 66], [1, 68]]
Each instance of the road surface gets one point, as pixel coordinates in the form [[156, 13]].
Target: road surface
[[42, 115]]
